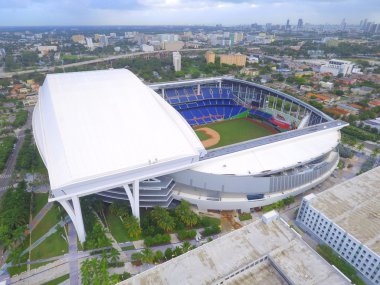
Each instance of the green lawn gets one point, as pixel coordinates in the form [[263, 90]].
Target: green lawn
[[54, 245], [235, 131], [58, 280], [40, 200], [117, 228], [201, 135], [36, 265], [47, 222]]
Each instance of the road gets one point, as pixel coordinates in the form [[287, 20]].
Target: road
[[98, 60], [6, 176]]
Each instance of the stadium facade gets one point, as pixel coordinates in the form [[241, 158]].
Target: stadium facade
[[107, 133]]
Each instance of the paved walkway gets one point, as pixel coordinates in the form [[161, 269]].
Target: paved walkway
[[40, 215], [73, 251]]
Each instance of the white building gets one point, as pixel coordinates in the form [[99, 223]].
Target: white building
[[337, 66], [327, 85], [177, 61], [147, 48], [103, 40], [347, 218], [89, 43], [259, 253]]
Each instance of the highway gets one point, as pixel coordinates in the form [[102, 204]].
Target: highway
[[5, 177], [98, 60]]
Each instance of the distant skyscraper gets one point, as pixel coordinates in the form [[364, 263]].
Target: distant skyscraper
[[287, 25], [103, 40], [299, 24], [177, 61], [343, 25]]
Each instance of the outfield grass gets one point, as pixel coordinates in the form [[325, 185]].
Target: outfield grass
[[52, 246], [117, 228], [40, 200], [235, 131], [47, 222], [201, 135]]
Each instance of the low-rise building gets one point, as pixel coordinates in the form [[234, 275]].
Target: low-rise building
[[336, 66], [362, 90], [173, 45], [346, 218], [230, 59], [147, 48], [249, 71], [210, 57], [266, 251], [327, 85]]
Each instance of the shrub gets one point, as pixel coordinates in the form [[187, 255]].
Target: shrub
[[157, 240], [168, 253], [209, 231], [116, 264], [341, 264], [208, 221], [245, 216], [186, 235]]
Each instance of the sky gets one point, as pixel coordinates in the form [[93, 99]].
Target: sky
[[184, 12]]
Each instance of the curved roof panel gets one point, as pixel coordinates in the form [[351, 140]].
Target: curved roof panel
[[272, 156], [90, 125]]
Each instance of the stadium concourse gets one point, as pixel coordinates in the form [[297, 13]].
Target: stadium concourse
[[107, 133]]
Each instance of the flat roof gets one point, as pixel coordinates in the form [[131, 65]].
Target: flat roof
[[231, 255], [93, 126], [354, 205]]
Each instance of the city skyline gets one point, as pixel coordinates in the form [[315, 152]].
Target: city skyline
[[183, 12]]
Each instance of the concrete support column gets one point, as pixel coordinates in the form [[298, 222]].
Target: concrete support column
[[136, 194], [75, 214], [134, 198], [198, 89]]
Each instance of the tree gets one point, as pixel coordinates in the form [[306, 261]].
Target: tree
[[186, 246], [185, 214], [114, 255], [168, 253], [163, 219], [158, 256], [132, 226], [147, 255]]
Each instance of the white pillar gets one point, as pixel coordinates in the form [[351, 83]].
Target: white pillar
[[136, 194], [134, 198], [75, 214], [220, 84], [78, 213], [198, 89]]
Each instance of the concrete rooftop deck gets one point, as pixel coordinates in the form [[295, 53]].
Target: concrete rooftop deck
[[354, 205], [214, 261]]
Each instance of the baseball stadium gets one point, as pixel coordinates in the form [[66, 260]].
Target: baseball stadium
[[220, 143]]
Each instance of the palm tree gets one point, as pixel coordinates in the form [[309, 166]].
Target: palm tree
[[18, 234], [114, 255], [186, 215], [186, 246], [147, 255], [132, 225]]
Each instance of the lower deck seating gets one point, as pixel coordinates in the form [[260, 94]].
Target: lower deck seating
[[209, 114]]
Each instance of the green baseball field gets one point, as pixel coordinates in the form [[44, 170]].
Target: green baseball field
[[232, 131]]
